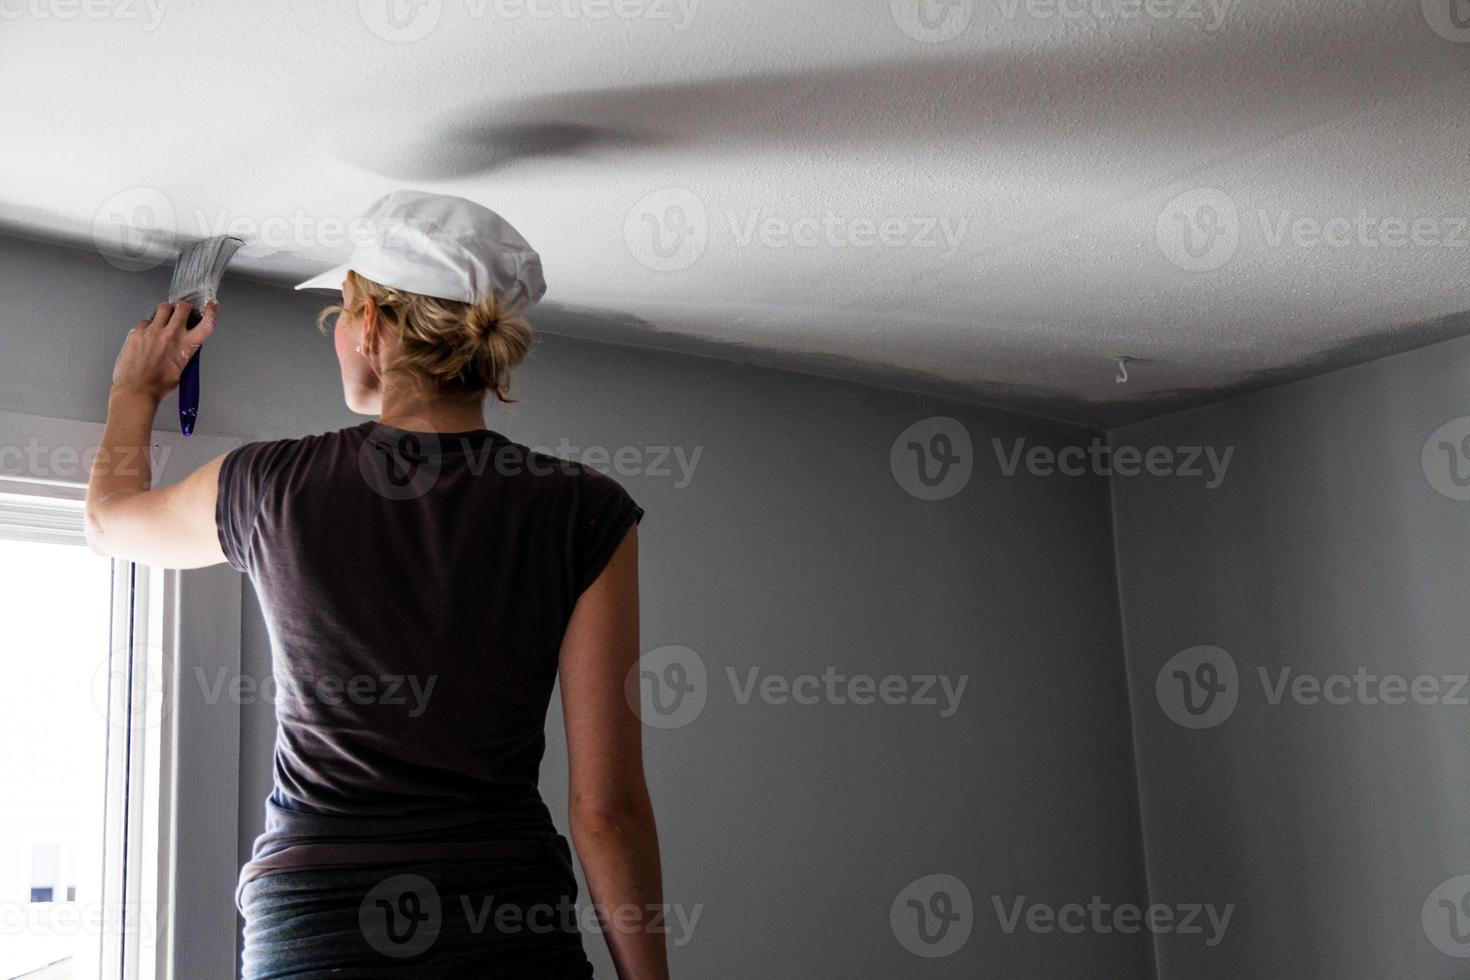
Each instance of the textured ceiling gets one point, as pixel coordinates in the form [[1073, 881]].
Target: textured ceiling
[[990, 198]]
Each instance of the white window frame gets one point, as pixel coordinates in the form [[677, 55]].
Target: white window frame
[[185, 823]]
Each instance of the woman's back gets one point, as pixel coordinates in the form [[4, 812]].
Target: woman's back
[[416, 587]]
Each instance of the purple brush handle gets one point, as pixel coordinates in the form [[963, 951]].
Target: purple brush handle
[[189, 384]]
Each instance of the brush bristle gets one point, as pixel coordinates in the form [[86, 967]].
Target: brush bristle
[[200, 268]]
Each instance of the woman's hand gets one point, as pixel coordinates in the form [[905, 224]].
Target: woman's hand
[[155, 351]]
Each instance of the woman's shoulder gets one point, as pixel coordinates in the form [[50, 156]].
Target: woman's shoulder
[[568, 470]]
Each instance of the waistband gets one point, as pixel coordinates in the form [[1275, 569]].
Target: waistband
[[354, 856]]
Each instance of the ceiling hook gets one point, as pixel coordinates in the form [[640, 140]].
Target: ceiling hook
[[1122, 377]]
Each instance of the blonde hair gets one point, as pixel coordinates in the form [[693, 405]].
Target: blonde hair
[[456, 348]]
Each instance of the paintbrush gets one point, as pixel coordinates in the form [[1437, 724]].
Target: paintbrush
[[196, 280]]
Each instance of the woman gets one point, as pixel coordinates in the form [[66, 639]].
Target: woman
[[425, 580]]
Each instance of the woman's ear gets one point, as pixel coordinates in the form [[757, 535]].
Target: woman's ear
[[370, 330]]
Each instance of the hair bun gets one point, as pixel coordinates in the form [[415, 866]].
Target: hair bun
[[484, 317], [500, 332]]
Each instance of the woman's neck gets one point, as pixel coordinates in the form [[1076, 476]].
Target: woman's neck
[[405, 410]]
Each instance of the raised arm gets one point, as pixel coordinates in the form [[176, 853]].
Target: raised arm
[[172, 526], [611, 815]]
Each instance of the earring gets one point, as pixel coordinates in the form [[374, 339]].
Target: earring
[[358, 348]]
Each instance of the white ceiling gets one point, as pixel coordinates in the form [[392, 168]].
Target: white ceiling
[[1052, 138]]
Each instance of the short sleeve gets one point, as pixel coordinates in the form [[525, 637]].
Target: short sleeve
[[244, 479], [604, 514]]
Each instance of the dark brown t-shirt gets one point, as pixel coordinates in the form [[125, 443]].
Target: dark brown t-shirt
[[416, 587]]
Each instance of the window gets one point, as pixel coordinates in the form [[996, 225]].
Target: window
[[55, 604], [67, 737], [118, 781]]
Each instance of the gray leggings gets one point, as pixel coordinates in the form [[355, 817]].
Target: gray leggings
[[493, 918]]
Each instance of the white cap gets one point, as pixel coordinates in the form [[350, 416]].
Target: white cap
[[439, 245]]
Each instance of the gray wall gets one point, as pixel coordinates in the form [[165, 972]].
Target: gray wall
[[1326, 550], [793, 549]]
